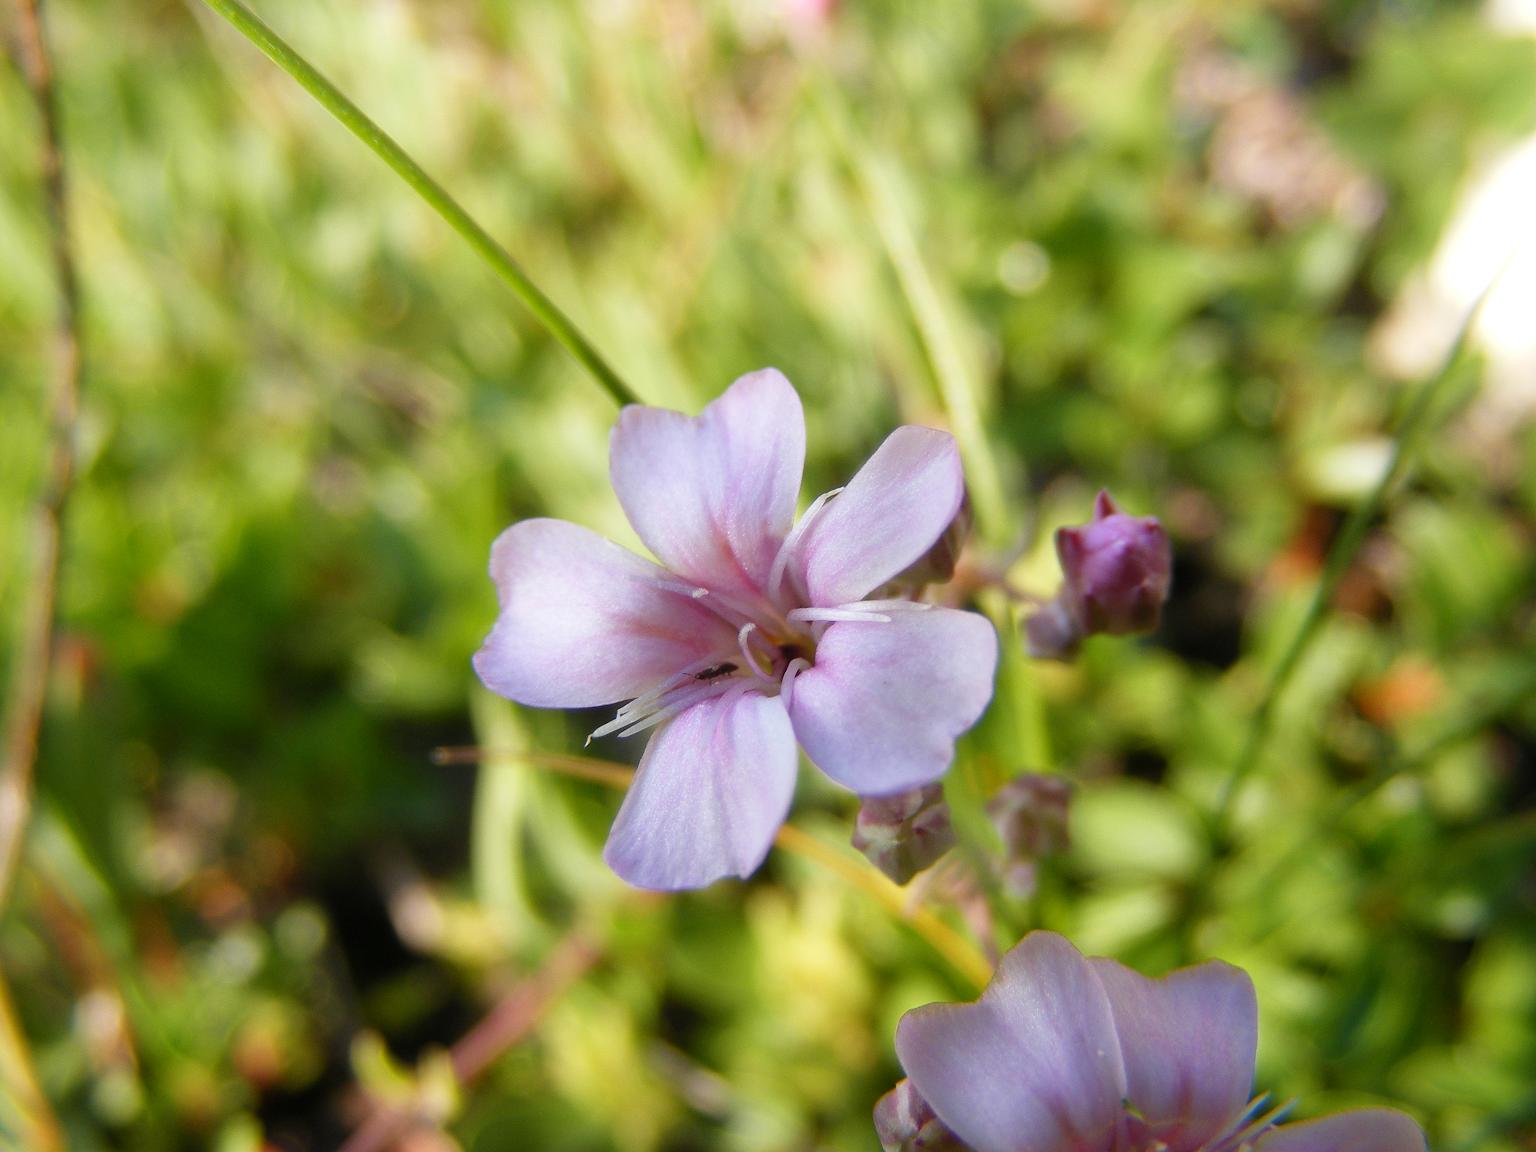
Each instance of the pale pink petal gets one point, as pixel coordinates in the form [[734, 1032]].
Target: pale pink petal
[[1033, 1066], [1364, 1130], [712, 789], [888, 516], [713, 496], [881, 708], [1188, 1041], [584, 622]]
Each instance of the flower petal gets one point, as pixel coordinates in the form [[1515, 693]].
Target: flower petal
[[713, 496], [1033, 1066], [584, 622], [888, 516], [1188, 1041], [712, 789], [1364, 1130], [881, 708]]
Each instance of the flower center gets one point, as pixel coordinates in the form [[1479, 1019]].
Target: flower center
[[1241, 1137], [776, 637]]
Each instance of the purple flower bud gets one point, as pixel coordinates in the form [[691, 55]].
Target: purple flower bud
[[937, 565], [905, 833], [1116, 570], [1030, 815], [905, 1123], [1052, 633]]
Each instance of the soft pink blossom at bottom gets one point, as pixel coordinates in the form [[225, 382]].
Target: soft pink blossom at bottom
[[1068, 1054]]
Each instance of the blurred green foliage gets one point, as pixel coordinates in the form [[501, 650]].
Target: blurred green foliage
[[1159, 235]]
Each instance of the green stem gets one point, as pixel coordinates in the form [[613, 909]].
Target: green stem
[[936, 332], [1413, 761], [958, 393], [1351, 537], [555, 322]]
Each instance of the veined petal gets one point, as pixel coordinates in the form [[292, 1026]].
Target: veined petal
[[713, 496], [888, 516], [881, 708], [584, 622], [1189, 1042], [1033, 1066], [1363, 1130], [712, 789]]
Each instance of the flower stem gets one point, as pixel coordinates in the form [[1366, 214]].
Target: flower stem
[[29, 1110], [545, 311], [962, 955], [960, 952], [1342, 554], [936, 331]]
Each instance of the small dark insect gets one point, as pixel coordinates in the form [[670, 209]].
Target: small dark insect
[[714, 673]]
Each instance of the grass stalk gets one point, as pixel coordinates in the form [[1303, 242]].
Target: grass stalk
[[544, 310]]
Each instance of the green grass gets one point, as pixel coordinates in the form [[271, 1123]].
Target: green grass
[[309, 408]]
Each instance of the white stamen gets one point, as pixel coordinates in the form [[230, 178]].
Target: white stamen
[[657, 717], [887, 606], [681, 587], [836, 615], [786, 549], [662, 704], [746, 653], [787, 689], [645, 700], [725, 607]]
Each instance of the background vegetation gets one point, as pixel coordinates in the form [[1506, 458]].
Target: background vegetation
[[1152, 241]]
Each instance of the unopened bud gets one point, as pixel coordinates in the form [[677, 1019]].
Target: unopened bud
[[1052, 633], [905, 833], [1116, 570], [937, 565], [1030, 815], [904, 1122]]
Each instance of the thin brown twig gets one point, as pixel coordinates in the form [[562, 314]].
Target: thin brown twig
[[25, 697], [24, 713], [517, 1014], [605, 772], [41, 1129]]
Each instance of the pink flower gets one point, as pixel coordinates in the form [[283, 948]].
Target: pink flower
[[759, 632], [1067, 1054], [1115, 575]]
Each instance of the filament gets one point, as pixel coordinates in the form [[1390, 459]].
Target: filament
[[837, 615], [787, 689], [746, 653], [659, 705], [786, 549]]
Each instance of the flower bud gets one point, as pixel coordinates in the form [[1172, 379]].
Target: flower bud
[[905, 833], [1116, 570], [1030, 815], [905, 1123], [1052, 633], [937, 565]]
